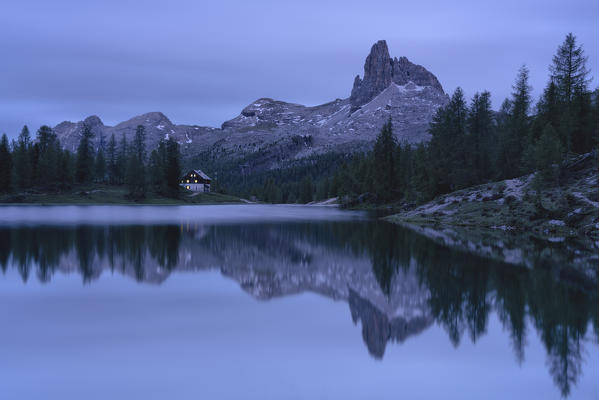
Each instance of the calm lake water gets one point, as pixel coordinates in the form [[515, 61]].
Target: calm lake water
[[277, 302]]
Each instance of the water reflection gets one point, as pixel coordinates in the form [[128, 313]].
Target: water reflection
[[397, 283]]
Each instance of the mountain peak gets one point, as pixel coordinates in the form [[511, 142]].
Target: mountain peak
[[92, 121], [380, 70]]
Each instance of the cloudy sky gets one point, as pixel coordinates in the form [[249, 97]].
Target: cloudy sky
[[201, 62]]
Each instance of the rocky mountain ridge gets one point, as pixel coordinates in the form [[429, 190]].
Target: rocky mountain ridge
[[393, 89]]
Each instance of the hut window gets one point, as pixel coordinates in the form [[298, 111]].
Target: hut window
[[187, 187], [188, 181], [196, 181]]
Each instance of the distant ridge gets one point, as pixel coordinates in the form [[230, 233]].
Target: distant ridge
[[281, 132]]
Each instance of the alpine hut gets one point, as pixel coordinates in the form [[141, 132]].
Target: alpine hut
[[196, 181]]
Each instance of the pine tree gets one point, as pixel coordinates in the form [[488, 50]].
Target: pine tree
[[121, 161], [423, 181], [85, 157], [548, 112], [5, 166], [569, 74], [48, 156], [384, 164], [173, 167], [139, 144], [157, 169], [569, 71], [548, 153], [112, 161], [404, 163], [100, 167], [480, 125], [518, 129], [66, 170], [135, 175], [500, 157], [596, 106], [22, 159], [582, 122], [305, 192], [100, 161], [448, 129]]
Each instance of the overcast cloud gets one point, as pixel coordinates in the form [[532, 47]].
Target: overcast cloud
[[202, 62]]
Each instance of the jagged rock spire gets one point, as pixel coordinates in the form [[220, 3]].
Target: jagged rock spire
[[380, 70]]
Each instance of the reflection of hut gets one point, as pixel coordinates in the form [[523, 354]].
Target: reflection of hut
[[196, 181]]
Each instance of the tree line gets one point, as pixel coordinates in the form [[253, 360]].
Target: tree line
[[42, 164], [470, 143]]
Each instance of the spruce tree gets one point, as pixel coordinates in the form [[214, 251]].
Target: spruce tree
[[480, 125], [519, 124], [596, 107], [157, 169], [22, 159], [121, 162], [448, 129], [135, 176], [173, 167], [66, 170], [112, 161], [570, 76], [306, 191], [384, 164], [569, 71], [548, 153], [5, 166], [100, 167], [48, 156], [85, 157], [548, 112], [582, 122], [100, 162]]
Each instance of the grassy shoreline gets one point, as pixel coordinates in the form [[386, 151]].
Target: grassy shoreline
[[110, 195]]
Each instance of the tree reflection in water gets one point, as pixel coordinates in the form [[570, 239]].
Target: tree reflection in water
[[459, 290]]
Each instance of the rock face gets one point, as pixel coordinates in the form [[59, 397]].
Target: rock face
[[380, 70], [274, 133], [158, 127], [378, 328]]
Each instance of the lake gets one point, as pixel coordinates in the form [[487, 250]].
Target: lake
[[276, 302]]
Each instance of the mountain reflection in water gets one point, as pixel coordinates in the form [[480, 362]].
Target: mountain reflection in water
[[397, 283]]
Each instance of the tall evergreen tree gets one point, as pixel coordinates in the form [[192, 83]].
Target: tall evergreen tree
[[135, 176], [157, 169], [66, 169], [100, 161], [548, 112], [100, 167], [112, 161], [582, 118], [384, 163], [519, 124], [548, 153], [173, 167], [306, 191], [85, 156], [480, 126], [500, 157], [121, 162], [569, 74], [448, 130], [569, 71], [22, 159], [48, 156], [5, 165], [596, 106]]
